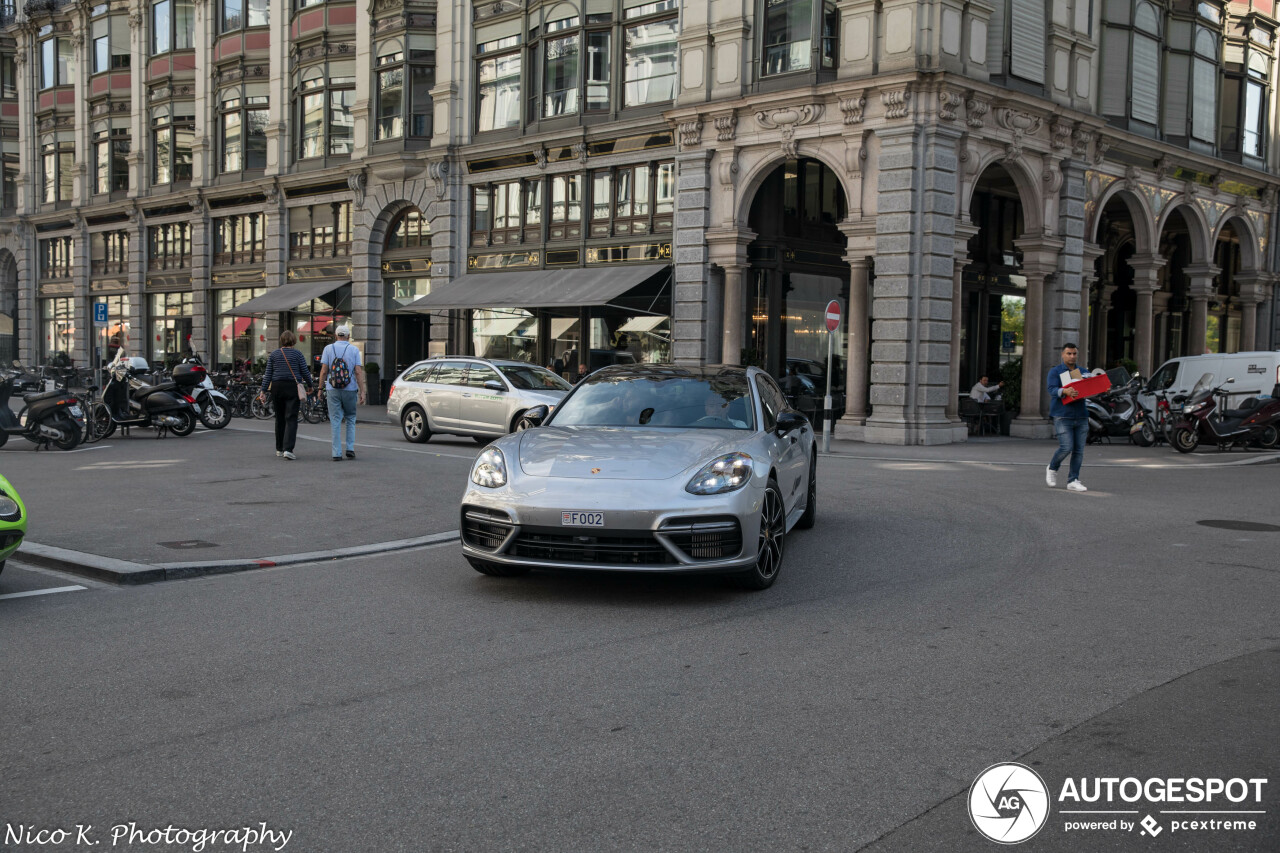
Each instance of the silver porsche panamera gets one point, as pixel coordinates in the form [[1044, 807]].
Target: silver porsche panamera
[[659, 468]]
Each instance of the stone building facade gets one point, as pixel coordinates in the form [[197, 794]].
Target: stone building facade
[[976, 181]]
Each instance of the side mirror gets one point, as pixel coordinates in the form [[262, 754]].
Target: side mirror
[[494, 385], [1230, 381], [790, 421], [534, 416]]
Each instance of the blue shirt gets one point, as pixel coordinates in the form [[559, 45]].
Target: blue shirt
[[1058, 408], [348, 353]]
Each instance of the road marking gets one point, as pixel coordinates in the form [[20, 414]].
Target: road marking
[[125, 465], [392, 447], [30, 593]]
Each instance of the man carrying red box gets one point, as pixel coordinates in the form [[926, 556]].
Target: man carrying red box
[[1070, 418]]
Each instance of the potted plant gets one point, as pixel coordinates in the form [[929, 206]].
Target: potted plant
[[373, 382], [1011, 373]]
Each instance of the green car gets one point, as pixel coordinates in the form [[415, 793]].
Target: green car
[[13, 521]]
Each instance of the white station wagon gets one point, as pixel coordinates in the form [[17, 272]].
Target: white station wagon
[[462, 395]]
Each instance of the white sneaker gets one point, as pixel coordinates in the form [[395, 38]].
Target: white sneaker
[[1076, 486], [279, 453], [288, 454], [1051, 477]]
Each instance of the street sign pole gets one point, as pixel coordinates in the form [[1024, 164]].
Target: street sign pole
[[100, 321]]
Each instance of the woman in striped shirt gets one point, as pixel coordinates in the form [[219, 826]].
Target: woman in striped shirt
[[286, 369]]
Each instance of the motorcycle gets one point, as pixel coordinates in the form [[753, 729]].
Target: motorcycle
[[215, 408], [1257, 422], [13, 521], [129, 401], [1155, 425], [50, 417], [1114, 413]]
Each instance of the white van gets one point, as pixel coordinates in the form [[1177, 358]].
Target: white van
[[1254, 373]]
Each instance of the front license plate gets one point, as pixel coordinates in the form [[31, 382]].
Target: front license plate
[[582, 519]]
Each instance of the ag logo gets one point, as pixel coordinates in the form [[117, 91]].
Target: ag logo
[[1008, 803]]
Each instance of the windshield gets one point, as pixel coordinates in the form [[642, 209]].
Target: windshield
[[688, 402], [1205, 383], [527, 377]]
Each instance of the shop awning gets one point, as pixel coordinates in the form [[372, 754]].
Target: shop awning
[[560, 326], [286, 297], [564, 289], [500, 327], [642, 324]]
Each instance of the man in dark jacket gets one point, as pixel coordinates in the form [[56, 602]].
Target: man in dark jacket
[[1070, 419]]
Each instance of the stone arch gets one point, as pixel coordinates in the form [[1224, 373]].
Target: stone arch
[[1197, 225], [756, 174], [1250, 257], [1140, 213], [1028, 186]]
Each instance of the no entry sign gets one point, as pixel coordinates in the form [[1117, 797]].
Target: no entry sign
[[833, 315]]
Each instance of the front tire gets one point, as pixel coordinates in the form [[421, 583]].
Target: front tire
[[1270, 438], [497, 570], [1146, 436], [215, 414], [415, 426], [771, 543], [1185, 440], [186, 425]]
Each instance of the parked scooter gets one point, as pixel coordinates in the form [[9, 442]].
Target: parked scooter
[[215, 408], [50, 417], [1114, 413], [1156, 424], [131, 402], [1204, 420]]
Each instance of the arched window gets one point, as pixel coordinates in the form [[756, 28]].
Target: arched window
[[243, 125], [110, 155], [173, 130], [409, 230]]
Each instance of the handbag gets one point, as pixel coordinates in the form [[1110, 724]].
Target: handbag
[[302, 391]]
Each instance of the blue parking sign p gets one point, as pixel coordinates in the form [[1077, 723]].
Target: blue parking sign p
[[100, 312]]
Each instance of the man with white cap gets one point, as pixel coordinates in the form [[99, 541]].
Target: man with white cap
[[342, 378]]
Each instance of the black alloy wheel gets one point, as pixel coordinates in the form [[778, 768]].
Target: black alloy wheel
[[215, 414], [771, 542], [71, 435], [186, 423]]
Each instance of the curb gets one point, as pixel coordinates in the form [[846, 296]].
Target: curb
[[126, 573], [1265, 459]]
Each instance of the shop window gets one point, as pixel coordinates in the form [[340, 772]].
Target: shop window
[[237, 14], [498, 82], [173, 129], [169, 246], [404, 81], [55, 257], [109, 253], [323, 97], [57, 164], [58, 317], [320, 231], [409, 230], [240, 239], [118, 324], [242, 342], [172, 319], [636, 199], [110, 155]]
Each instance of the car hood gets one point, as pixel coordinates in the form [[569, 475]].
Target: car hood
[[622, 453]]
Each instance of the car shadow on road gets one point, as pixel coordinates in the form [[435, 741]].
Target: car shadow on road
[[614, 588]]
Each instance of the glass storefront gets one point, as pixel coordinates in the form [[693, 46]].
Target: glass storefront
[[8, 326], [172, 319], [242, 341], [314, 323], [408, 335], [59, 326], [118, 325], [505, 333]]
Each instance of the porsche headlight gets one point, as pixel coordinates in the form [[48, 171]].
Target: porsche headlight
[[725, 474], [9, 509], [490, 469]]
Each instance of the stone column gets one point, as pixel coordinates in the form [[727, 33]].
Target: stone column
[[964, 232], [1088, 277], [1146, 281], [728, 250], [860, 234], [1252, 292], [690, 327], [1039, 262], [1200, 287]]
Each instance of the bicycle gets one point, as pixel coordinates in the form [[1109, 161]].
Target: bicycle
[[315, 408]]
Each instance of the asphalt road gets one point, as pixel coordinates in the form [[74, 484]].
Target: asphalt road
[[939, 619]]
